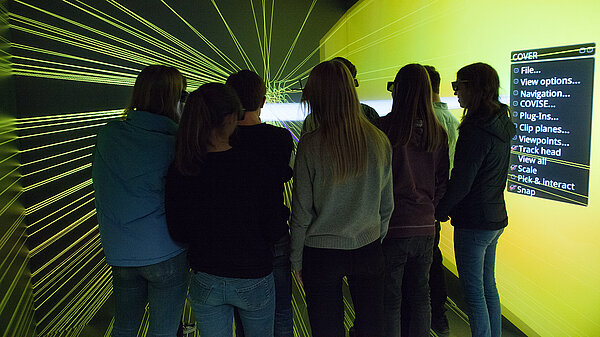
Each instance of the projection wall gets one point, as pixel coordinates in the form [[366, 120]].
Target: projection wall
[[66, 68], [547, 259]]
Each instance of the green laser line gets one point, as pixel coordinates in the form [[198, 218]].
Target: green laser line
[[136, 33], [260, 42], [61, 131], [57, 165], [239, 47], [119, 74], [99, 46], [56, 144], [205, 63], [270, 39], [44, 284], [66, 123], [8, 158], [293, 45], [44, 203], [62, 232], [24, 165], [15, 198], [34, 224], [67, 264], [43, 119], [207, 41], [56, 177], [10, 187], [59, 54]]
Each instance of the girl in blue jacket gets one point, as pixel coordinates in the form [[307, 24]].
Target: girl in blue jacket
[[130, 163]]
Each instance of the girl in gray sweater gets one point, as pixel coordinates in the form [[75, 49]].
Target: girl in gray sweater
[[341, 205]]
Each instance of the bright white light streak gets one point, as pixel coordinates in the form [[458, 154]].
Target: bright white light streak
[[295, 112]]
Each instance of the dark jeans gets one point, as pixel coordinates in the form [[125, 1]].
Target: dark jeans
[[163, 285], [437, 281], [322, 274], [407, 262], [282, 275], [437, 286]]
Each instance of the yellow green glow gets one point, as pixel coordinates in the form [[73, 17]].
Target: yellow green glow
[[544, 269]]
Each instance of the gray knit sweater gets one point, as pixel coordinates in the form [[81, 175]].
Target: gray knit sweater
[[346, 215]]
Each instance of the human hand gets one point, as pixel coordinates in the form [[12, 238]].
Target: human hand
[[298, 274]]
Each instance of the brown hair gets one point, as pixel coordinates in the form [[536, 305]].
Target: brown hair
[[482, 83], [434, 78], [157, 89], [205, 110], [249, 87], [412, 102], [331, 97]]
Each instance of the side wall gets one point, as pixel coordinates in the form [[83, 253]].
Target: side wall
[[16, 296], [546, 268]]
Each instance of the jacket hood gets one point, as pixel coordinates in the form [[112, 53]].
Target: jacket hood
[[143, 143], [501, 126]]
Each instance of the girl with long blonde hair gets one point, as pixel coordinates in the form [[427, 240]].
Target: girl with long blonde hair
[[341, 205]]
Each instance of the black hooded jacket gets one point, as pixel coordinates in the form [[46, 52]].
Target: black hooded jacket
[[475, 195]]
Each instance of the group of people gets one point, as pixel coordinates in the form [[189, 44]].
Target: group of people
[[196, 181]]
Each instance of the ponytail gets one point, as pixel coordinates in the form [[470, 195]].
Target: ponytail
[[205, 110]]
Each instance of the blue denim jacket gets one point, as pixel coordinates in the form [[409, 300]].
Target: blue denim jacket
[[129, 167]]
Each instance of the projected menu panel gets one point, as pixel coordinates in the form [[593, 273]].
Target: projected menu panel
[[551, 100]]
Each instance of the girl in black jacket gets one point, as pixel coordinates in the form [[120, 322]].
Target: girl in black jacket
[[226, 205], [475, 196]]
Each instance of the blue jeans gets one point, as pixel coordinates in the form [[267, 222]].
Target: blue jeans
[[284, 317], [162, 285], [475, 252], [213, 298], [282, 273], [407, 262]]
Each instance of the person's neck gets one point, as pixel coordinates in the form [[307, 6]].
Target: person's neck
[[436, 97], [218, 142], [251, 118]]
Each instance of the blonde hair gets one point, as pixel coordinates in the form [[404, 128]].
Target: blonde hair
[[331, 98], [157, 89]]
